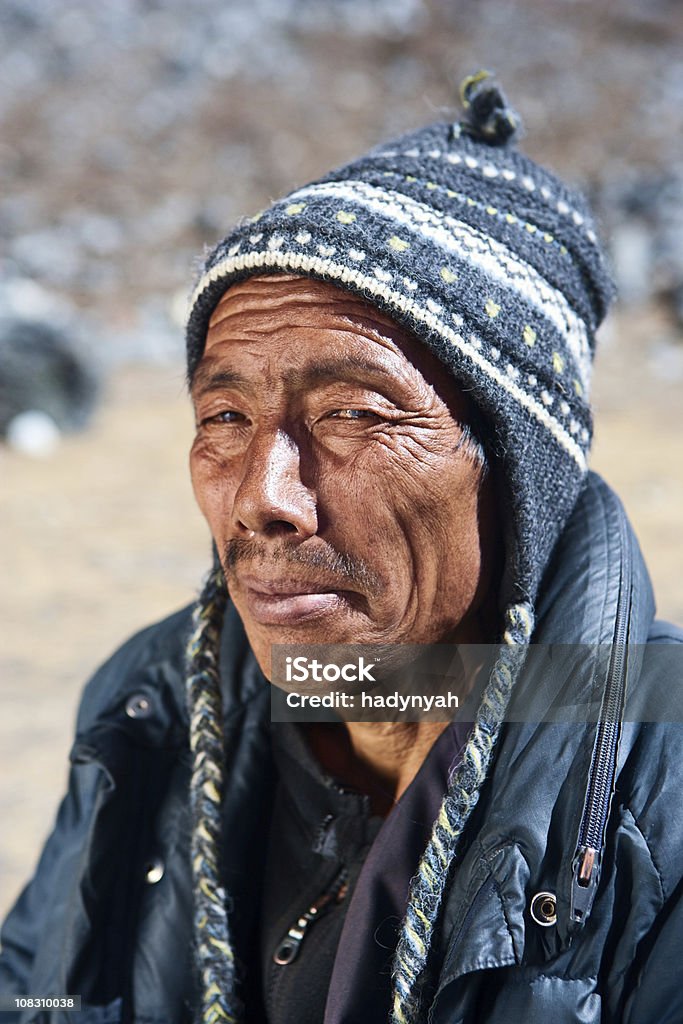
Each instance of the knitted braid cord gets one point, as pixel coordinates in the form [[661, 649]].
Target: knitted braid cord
[[428, 885], [212, 936]]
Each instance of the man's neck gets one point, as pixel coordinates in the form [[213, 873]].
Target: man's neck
[[379, 759]]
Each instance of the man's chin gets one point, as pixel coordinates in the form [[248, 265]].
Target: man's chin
[[319, 627]]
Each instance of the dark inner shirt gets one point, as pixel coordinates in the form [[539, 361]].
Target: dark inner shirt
[[325, 843]]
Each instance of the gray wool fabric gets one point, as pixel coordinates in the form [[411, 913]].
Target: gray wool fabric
[[494, 265], [490, 261]]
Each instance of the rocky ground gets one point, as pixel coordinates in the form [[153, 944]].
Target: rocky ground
[[134, 133]]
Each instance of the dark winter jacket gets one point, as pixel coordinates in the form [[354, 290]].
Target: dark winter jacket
[[108, 914]]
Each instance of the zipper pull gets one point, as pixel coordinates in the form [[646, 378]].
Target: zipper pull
[[584, 883], [288, 949]]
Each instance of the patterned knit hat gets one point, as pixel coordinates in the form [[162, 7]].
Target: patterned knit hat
[[495, 265]]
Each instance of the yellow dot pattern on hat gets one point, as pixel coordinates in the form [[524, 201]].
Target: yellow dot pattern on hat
[[529, 335], [492, 308], [295, 208], [492, 211], [577, 387], [398, 244], [345, 217], [558, 362], [447, 275]]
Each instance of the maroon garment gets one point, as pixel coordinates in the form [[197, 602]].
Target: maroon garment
[[360, 987]]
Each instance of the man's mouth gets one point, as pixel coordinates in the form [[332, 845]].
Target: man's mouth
[[287, 602]]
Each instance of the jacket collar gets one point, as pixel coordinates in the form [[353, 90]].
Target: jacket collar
[[582, 583], [524, 834]]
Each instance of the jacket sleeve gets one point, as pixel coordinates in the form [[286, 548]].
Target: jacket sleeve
[[657, 994], [44, 900], [49, 925]]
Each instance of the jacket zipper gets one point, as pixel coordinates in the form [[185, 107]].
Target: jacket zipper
[[601, 776], [288, 948]]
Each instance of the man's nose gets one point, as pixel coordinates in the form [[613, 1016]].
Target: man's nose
[[272, 499]]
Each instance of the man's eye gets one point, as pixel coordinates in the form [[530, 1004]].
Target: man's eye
[[231, 416], [351, 414], [228, 416]]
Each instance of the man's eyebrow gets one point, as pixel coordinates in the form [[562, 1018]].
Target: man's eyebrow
[[206, 380], [346, 368]]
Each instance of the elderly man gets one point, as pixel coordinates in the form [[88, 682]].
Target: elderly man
[[390, 373]]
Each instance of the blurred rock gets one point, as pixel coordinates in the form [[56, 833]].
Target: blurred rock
[[24, 299], [644, 214], [154, 336], [53, 255], [33, 433], [632, 261], [41, 374], [666, 362]]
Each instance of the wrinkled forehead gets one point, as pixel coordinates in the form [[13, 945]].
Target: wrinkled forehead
[[269, 307], [266, 300]]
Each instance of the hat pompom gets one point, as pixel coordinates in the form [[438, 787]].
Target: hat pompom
[[487, 115]]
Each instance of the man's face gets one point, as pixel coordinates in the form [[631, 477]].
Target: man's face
[[330, 466]]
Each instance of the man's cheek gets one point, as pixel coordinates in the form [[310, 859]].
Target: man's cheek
[[213, 490], [447, 500]]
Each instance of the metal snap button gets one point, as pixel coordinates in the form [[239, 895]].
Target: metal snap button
[[154, 870], [544, 909], [139, 706]]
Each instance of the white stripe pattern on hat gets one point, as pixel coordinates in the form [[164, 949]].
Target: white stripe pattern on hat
[[523, 180], [492, 257]]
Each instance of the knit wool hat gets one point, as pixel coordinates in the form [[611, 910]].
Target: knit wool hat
[[493, 264]]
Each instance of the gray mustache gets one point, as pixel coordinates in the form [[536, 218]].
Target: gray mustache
[[339, 565]]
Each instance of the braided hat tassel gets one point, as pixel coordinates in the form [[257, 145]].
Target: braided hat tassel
[[428, 885], [219, 1002]]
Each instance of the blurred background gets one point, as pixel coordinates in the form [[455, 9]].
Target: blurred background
[[133, 134]]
